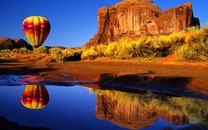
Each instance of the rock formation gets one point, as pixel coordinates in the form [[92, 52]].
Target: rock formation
[[7, 43], [133, 18], [133, 114], [128, 115]]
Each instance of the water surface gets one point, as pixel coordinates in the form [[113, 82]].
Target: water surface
[[81, 108]]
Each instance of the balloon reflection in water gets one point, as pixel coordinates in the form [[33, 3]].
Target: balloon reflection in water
[[35, 97]]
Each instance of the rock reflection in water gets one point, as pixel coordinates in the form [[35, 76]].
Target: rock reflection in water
[[35, 97], [142, 109]]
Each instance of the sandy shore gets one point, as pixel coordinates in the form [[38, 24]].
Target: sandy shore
[[158, 73]]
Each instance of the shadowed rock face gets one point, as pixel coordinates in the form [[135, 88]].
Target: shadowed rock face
[[7, 43], [133, 18]]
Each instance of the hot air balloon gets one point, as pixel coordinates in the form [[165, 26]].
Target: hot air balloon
[[36, 29], [35, 97]]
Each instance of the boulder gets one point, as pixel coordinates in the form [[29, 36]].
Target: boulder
[[133, 18], [22, 43], [7, 43]]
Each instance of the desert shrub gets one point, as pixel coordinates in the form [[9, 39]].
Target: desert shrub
[[186, 52], [67, 52], [126, 49], [5, 53], [71, 54], [137, 46], [195, 46], [64, 55], [16, 50], [194, 36], [89, 53], [168, 44], [93, 52], [149, 47], [193, 51], [144, 47], [111, 50], [120, 50], [177, 37], [205, 29], [163, 40], [41, 49], [101, 50], [56, 54], [22, 50]]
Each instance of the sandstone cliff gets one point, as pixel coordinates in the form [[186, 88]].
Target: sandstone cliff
[[133, 18]]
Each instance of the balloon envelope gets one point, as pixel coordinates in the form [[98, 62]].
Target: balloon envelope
[[36, 29], [35, 97]]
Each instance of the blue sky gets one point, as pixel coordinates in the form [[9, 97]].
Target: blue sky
[[73, 22]]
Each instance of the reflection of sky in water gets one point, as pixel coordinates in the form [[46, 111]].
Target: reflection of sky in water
[[10, 80], [160, 124], [68, 108], [15, 80]]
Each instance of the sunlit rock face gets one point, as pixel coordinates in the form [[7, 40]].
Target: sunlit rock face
[[133, 18]]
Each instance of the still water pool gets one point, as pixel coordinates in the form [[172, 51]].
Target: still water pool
[[81, 108]]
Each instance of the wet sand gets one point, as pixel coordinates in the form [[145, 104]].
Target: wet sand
[[160, 74]]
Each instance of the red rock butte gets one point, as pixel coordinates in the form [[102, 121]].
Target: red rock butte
[[133, 115], [133, 18]]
